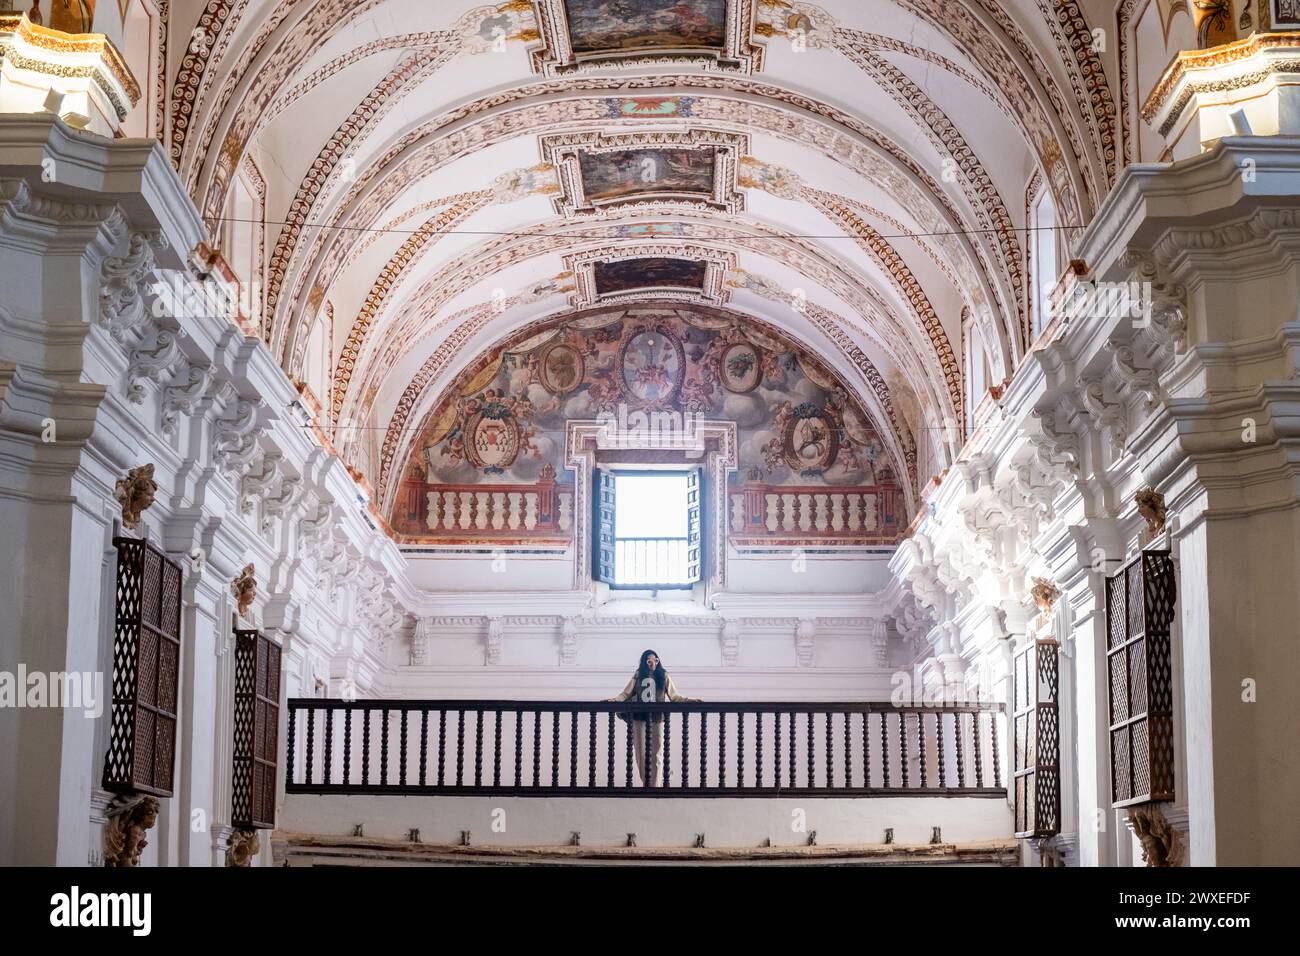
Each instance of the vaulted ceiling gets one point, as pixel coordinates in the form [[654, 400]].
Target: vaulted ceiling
[[436, 175]]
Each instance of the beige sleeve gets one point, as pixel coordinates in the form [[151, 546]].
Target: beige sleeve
[[627, 691]]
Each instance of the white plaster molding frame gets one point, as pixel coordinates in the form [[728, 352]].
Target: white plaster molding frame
[[583, 439]]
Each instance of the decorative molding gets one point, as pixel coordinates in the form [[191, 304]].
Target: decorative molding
[[717, 265], [739, 53]]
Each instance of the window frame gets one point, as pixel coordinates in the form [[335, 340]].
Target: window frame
[[604, 524]]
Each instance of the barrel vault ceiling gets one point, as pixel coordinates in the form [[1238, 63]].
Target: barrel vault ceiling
[[437, 175]]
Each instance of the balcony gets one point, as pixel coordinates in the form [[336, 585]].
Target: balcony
[[428, 779]]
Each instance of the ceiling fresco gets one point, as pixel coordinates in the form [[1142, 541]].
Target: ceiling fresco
[[489, 462]]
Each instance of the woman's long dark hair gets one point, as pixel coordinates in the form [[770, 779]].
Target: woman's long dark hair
[[643, 671]]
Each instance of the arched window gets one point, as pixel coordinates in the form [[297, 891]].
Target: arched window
[[1046, 256]]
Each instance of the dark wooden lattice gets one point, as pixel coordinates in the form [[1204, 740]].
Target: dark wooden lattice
[[1036, 728], [1140, 601], [602, 554], [146, 666], [257, 722]]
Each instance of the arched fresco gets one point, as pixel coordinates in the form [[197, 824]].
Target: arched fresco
[[488, 466]]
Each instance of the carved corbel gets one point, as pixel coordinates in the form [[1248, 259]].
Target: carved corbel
[[1141, 381], [152, 364], [281, 504], [421, 641], [494, 639], [804, 634], [569, 641], [1108, 417], [1164, 323], [1058, 452], [313, 527], [253, 486], [180, 399], [236, 437], [122, 284], [730, 639], [880, 642], [242, 846]]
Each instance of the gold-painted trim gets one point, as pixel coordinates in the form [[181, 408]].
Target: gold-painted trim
[[58, 42], [1222, 55]]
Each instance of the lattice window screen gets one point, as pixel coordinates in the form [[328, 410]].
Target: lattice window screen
[[146, 668], [1036, 752], [603, 552], [1140, 602], [257, 725]]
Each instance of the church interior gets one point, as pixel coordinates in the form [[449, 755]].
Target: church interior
[[594, 432]]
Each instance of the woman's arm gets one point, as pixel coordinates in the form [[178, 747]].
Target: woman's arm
[[671, 690], [627, 691]]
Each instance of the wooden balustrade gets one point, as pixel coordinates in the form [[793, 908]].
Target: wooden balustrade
[[581, 748]]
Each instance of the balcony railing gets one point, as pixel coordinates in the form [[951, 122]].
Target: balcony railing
[[581, 748]]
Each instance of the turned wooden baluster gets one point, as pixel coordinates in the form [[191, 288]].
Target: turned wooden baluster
[[460, 747], [329, 743], [902, 745], [311, 737], [793, 745], [758, 747], [776, 751], [519, 746], [591, 754], [555, 748], [830, 754], [401, 768], [496, 752], [884, 749], [866, 750], [812, 746], [347, 746], [442, 741], [573, 749], [537, 748], [920, 744], [610, 749], [424, 743], [848, 751], [976, 748], [740, 749], [704, 750], [631, 741], [686, 749], [365, 747], [939, 719], [288, 764], [722, 749], [961, 766], [993, 735], [383, 747]]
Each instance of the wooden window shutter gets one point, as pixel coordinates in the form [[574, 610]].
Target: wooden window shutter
[[694, 546], [257, 727], [146, 667], [603, 551], [1036, 753], [1140, 601]]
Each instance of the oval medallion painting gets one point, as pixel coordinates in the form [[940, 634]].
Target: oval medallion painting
[[740, 368], [653, 367], [491, 440], [812, 440], [560, 369]]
